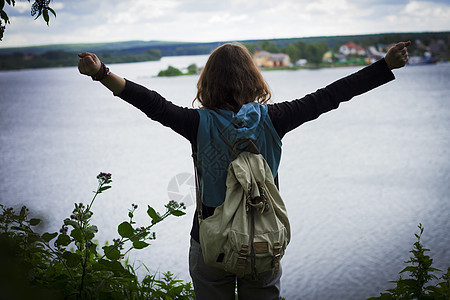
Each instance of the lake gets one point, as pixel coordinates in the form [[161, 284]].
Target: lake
[[356, 182]]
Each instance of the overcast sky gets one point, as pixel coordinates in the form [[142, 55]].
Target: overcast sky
[[83, 21]]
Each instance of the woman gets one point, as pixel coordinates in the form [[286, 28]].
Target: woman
[[233, 97]]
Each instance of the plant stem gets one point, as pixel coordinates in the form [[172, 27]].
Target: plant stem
[[96, 193], [59, 258], [103, 281], [85, 247]]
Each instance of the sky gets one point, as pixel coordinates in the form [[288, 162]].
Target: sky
[[97, 21]]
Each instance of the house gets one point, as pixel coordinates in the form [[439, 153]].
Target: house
[[352, 49], [301, 62], [373, 52], [329, 56], [264, 59]]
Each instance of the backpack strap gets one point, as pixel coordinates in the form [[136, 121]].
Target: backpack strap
[[237, 148], [198, 196], [251, 147]]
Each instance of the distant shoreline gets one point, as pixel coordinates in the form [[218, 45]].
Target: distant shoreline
[[65, 55]]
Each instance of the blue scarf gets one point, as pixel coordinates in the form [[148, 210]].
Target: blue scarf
[[252, 121]]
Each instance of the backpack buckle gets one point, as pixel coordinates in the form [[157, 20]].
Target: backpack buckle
[[276, 257], [242, 259]]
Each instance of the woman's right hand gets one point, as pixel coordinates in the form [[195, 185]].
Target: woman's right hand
[[397, 56], [89, 64]]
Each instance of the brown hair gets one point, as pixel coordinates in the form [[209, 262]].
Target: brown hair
[[231, 79]]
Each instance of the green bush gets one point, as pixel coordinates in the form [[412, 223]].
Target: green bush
[[192, 69], [420, 273], [69, 264], [170, 71]]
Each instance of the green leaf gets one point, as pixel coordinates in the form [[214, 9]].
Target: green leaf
[[139, 236], [63, 240], [72, 259], [87, 215], [52, 11], [45, 15], [92, 229], [177, 213], [4, 16], [111, 252], [432, 288], [34, 222], [72, 223], [140, 244], [153, 214], [104, 188], [89, 236], [130, 215], [125, 230], [23, 212], [18, 228], [106, 265], [47, 237], [408, 269], [410, 283], [431, 269], [101, 265], [77, 234]]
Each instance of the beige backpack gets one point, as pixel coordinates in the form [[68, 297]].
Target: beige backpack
[[249, 232]]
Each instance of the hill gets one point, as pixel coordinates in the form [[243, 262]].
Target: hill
[[133, 51]]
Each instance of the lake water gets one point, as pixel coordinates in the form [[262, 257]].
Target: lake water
[[356, 182]]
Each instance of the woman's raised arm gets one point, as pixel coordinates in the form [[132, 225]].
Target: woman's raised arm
[[90, 65]]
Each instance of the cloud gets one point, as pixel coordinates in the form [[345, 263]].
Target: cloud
[[206, 20], [228, 18], [424, 9], [195, 6], [139, 11], [18, 9], [422, 16]]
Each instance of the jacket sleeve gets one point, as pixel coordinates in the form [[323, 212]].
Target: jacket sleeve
[[181, 119], [288, 115]]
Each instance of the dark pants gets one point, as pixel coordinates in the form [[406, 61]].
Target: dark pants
[[216, 284]]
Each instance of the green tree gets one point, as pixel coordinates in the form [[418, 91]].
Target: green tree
[[265, 45], [390, 38], [38, 8], [314, 52], [251, 47], [368, 42], [295, 51], [269, 46]]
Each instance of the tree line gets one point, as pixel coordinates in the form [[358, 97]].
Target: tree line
[[61, 58]]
